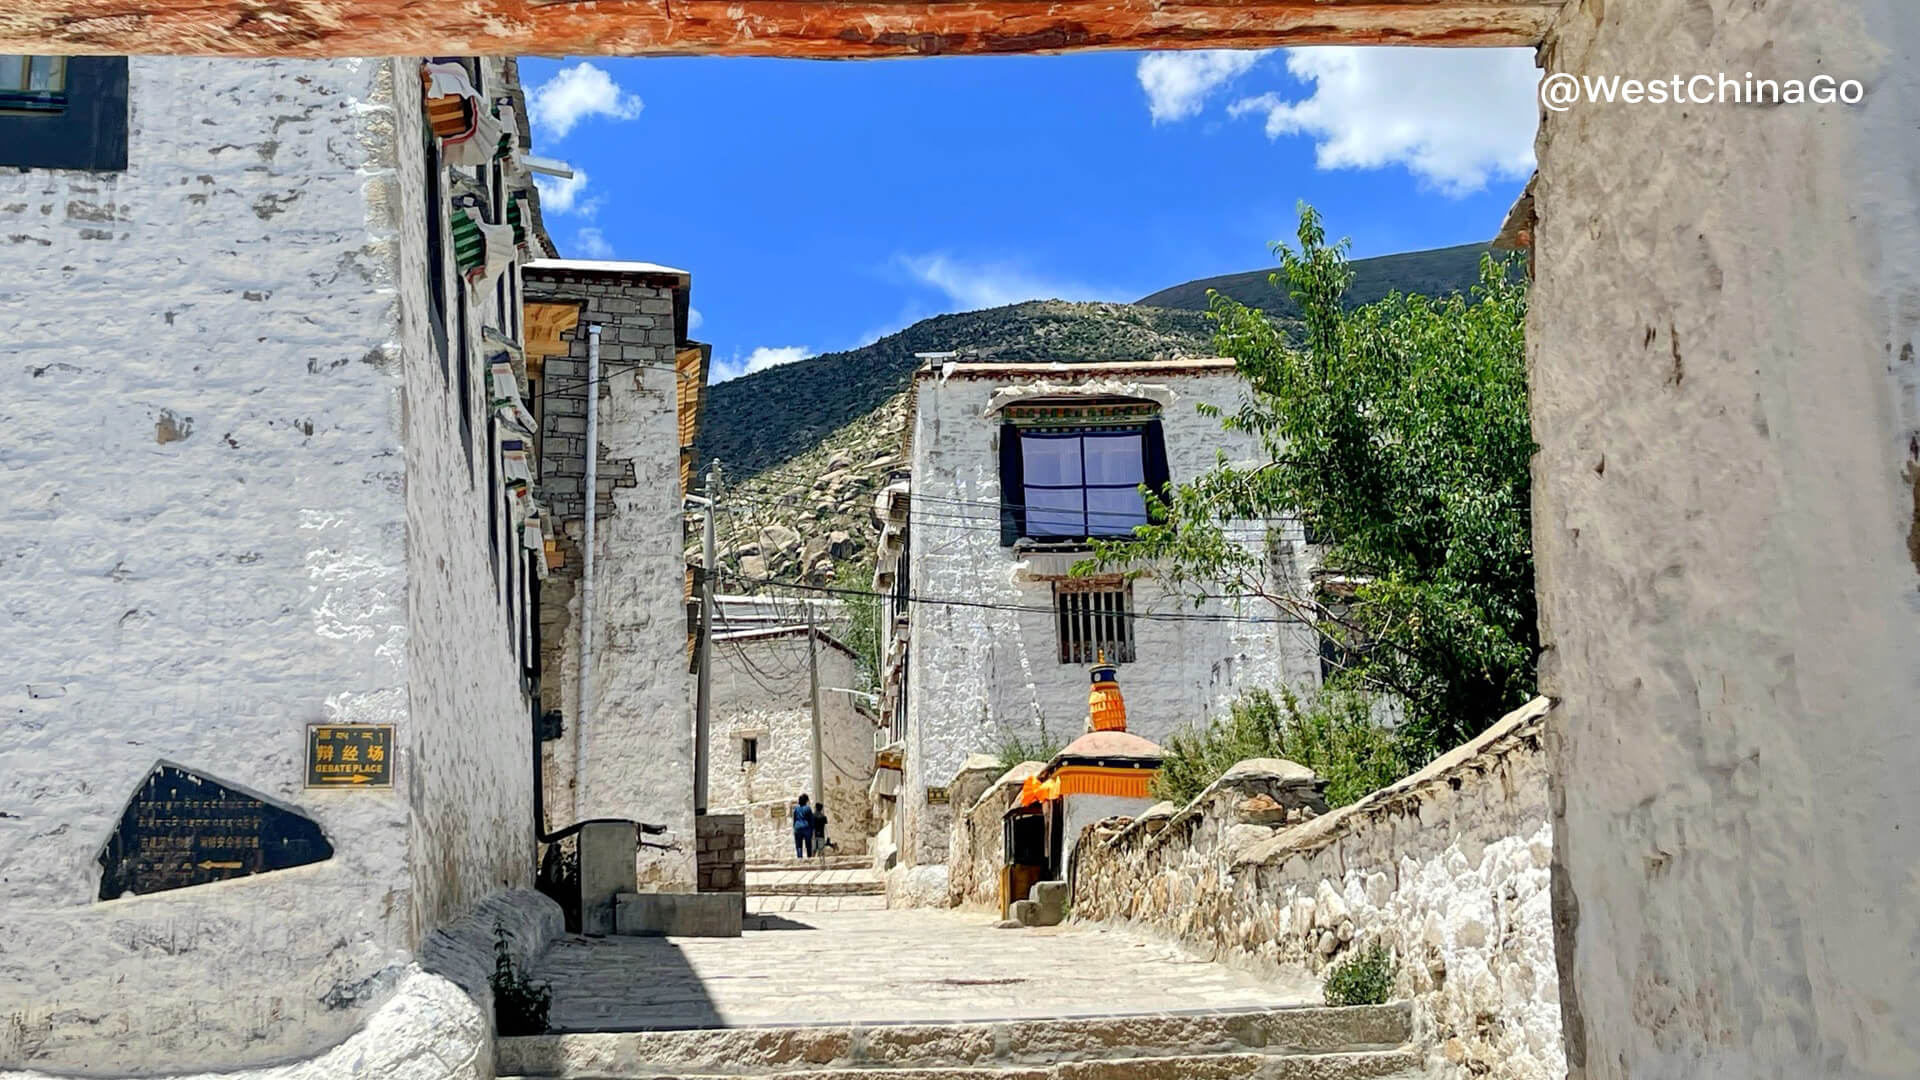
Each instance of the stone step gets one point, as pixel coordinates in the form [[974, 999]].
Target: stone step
[[778, 908], [981, 1047], [1346, 1065], [816, 888], [824, 862]]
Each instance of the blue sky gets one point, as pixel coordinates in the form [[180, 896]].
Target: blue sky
[[822, 205]]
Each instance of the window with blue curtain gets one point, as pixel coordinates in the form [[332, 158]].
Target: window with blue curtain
[[1064, 481]]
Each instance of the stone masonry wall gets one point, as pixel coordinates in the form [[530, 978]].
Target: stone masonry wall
[[976, 851], [639, 739], [978, 674], [722, 840], [204, 549], [1449, 867], [760, 692]]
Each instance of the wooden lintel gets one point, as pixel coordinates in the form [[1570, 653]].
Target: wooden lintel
[[821, 29]]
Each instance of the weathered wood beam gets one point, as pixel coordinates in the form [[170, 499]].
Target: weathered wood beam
[[822, 29]]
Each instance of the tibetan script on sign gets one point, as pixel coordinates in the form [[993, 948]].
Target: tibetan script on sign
[[936, 795], [349, 755], [182, 829]]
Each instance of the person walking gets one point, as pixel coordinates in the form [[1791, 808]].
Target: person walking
[[820, 841], [802, 828]]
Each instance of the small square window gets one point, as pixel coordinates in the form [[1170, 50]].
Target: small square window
[[749, 751], [60, 112], [1094, 623]]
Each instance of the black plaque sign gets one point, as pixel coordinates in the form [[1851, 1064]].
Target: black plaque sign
[[349, 755], [183, 829]]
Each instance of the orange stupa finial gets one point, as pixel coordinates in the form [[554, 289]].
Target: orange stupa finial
[[1106, 709]]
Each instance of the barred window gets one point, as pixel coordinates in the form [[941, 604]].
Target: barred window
[[1093, 622]]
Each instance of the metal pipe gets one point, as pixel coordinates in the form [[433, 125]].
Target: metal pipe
[[703, 695], [584, 709]]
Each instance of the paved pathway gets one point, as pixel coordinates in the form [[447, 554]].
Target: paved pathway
[[885, 966]]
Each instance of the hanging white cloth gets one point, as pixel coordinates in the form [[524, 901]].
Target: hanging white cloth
[[500, 251]]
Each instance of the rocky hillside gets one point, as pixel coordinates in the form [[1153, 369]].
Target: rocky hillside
[[804, 446], [1430, 273]]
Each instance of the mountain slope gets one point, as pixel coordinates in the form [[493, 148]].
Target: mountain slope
[[804, 446], [768, 417], [1431, 273]]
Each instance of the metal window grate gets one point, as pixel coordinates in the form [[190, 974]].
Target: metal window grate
[[1093, 622]]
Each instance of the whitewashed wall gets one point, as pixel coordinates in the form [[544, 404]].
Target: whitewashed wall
[[975, 673], [1727, 524], [639, 736], [760, 691], [227, 489]]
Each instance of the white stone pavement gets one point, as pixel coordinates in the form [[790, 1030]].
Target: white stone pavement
[[899, 966]]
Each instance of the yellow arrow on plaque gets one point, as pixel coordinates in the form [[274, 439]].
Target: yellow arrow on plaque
[[209, 864], [356, 778]]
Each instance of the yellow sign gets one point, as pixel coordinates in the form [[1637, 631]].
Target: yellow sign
[[349, 755]]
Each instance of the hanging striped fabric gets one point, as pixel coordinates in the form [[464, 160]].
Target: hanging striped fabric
[[517, 218], [469, 246]]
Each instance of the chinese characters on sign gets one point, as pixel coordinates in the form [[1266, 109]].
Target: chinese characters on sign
[[349, 755], [936, 795], [182, 829]]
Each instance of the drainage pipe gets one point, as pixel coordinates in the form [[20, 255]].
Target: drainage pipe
[[583, 712]]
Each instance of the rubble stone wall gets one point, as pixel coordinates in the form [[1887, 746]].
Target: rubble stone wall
[[722, 856], [1449, 867]]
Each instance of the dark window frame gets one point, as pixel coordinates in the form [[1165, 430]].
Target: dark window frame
[[749, 750], [88, 129], [1090, 622], [1014, 517]]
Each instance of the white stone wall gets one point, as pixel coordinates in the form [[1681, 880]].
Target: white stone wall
[[471, 725], [1723, 335], [975, 673], [760, 691], [639, 736], [1450, 868], [226, 488]]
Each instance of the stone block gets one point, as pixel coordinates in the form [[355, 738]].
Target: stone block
[[716, 914], [1049, 899], [606, 872]]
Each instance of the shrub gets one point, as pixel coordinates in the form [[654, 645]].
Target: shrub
[[519, 1004], [1015, 747], [1334, 734], [1364, 978]]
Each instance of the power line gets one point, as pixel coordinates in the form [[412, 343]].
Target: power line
[[989, 605]]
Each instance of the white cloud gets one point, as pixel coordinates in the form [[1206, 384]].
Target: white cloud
[[694, 319], [1454, 117], [975, 285], [574, 94], [1177, 83], [559, 196], [759, 359], [593, 244]]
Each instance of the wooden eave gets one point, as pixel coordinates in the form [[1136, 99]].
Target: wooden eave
[[821, 29]]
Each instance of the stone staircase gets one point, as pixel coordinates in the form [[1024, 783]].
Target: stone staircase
[[840, 883], [1368, 1042]]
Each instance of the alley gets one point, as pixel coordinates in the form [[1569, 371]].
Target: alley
[[901, 966]]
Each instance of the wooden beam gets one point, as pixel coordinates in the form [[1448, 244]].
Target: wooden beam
[[822, 29]]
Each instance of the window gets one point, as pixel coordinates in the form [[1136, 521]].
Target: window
[[1072, 473], [436, 251], [63, 112], [749, 751], [1094, 622]]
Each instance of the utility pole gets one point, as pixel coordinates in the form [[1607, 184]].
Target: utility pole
[[703, 650], [813, 697]]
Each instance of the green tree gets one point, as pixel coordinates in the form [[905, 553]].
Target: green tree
[[1334, 733], [863, 636], [1397, 433]]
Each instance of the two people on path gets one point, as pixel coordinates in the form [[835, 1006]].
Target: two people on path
[[809, 829]]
